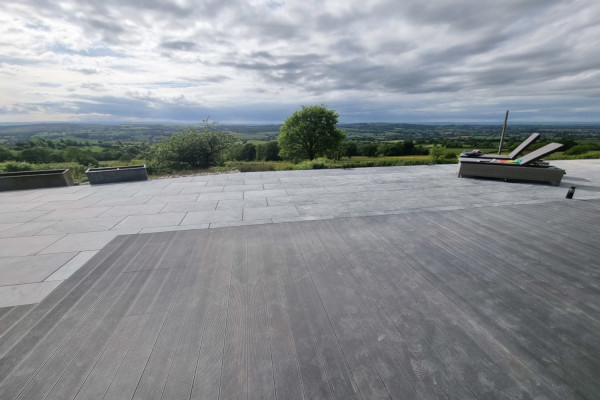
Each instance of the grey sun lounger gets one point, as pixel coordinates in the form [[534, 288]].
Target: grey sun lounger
[[527, 168], [515, 153]]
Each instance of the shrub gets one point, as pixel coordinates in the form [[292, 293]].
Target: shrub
[[436, 153], [15, 166], [192, 149]]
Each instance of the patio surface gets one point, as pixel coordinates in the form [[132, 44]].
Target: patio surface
[[401, 282]]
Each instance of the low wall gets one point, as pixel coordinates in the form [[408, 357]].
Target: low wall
[[22, 180], [129, 173]]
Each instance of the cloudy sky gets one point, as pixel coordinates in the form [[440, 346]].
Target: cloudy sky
[[256, 61]]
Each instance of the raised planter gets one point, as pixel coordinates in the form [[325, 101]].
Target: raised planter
[[22, 180], [129, 173]]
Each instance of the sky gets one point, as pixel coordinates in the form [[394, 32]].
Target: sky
[[257, 61]]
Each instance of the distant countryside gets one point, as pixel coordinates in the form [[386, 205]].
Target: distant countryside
[[255, 148]]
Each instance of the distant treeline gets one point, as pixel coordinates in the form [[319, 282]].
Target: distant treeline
[[363, 132]]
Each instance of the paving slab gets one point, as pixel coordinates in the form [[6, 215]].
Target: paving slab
[[270, 212], [19, 270], [190, 206], [76, 242], [68, 268], [29, 293], [26, 246], [82, 225], [205, 217], [149, 221], [139, 209]]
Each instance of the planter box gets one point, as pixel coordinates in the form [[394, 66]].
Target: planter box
[[22, 180], [129, 173]]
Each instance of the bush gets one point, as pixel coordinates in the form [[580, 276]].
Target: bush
[[579, 149], [436, 153], [15, 166], [192, 149]]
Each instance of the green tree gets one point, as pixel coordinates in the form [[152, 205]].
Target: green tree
[[436, 153], [268, 151], [5, 154], [309, 133], [368, 149], [349, 149], [192, 149]]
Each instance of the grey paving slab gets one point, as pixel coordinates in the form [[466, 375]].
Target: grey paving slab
[[243, 188], [183, 198], [150, 221], [270, 212], [15, 217], [19, 270], [257, 202], [205, 217], [81, 225], [202, 188], [18, 205], [72, 213], [25, 229], [29, 293], [68, 268], [220, 196], [80, 241], [190, 206], [122, 201], [264, 193], [26, 246], [139, 209], [172, 228]]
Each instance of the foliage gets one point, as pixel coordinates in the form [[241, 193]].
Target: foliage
[[349, 149], [309, 133], [436, 153], [368, 149], [268, 151], [192, 149], [243, 152]]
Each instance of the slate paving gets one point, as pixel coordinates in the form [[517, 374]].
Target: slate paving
[[83, 219]]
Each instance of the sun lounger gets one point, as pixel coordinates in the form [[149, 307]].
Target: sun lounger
[[515, 153], [527, 168]]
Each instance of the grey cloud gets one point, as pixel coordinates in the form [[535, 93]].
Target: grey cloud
[[179, 45]]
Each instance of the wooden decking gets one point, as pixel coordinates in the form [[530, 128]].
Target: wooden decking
[[497, 302]]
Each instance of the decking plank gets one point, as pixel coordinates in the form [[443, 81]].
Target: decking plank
[[259, 365], [452, 304]]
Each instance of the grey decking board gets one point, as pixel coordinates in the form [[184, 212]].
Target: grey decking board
[[411, 371], [286, 373], [435, 314], [294, 277], [388, 306], [209, 365], [9, 316], [48, 308], [532, 348], [185, 363], [157, 369], [261, 384], [558, 279]]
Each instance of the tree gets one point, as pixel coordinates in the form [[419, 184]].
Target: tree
[[192, 149], [368, 149], [268, 151], [436, 153], [309, 133], [349, 149]]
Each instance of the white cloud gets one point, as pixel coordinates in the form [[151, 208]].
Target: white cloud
[[238, 60]]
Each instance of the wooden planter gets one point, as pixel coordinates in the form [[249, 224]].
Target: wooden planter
[[129, 173], [22, 180]]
